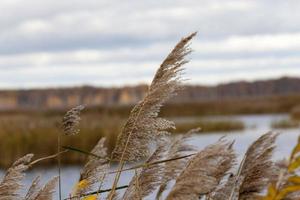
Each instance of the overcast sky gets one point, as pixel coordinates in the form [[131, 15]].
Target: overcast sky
[[46, 43]]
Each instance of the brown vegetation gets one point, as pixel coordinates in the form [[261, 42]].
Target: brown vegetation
[[285, 124], [37, 133]]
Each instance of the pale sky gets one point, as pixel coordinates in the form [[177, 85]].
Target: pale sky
[[46, 43]]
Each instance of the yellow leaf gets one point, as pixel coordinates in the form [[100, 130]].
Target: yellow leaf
[[296, 150], [82, 184], [294, 179], [294, 165], [287, 190], [91, 197], [271, 193]]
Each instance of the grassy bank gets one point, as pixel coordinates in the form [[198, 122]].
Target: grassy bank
[[35, 131], [210, 126], [285, 124], [38, 133], [22, 134]]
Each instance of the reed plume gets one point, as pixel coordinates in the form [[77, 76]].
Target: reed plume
[[203, 172], [36, 192], [46, 193], [11, 183], [178, 147], [143, 126], [255, 170], [34, 189], [223, 191], [94, 170], [145, 182], [71, 121]]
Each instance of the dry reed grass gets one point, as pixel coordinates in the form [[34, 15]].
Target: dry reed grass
[[211, 173]]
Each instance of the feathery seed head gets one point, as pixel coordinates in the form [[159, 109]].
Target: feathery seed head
[[143, 127], [71, 121]]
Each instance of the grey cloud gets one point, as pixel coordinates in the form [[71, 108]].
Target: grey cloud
[[124, 41], [97, 24]]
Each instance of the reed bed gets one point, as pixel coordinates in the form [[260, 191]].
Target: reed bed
[[37, 133], [172, 168], [208, 126], [285, 124]]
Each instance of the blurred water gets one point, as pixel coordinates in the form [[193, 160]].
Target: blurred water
[[256, 125]]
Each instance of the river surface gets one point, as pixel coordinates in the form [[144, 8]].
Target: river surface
[[256, 125]]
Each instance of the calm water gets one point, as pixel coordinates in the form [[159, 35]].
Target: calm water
[[256, 126]]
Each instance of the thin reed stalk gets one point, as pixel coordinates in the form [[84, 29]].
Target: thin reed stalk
[[47, 157], [96, 192], [59, 165], [153, 163]]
